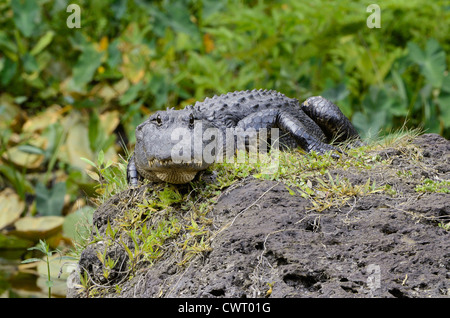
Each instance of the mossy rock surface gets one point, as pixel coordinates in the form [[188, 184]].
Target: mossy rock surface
[[266, 242]]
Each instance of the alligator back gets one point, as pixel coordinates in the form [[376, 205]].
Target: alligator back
[[225, 111]]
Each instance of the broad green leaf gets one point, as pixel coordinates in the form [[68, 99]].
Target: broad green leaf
[[12, 242], [43, 120], [336, 93], [131, 94], [50, 201], [431, 61], [88, 161], [101, 157], [18, 180], [445, 111], [415, 53], [20, 42], [9, 110], [176, 15], [43, 42], [77, 144], [31, 260], [8, 72], [37, 248], [114, 54], [399, 82], [31, 149], [159, 89], [377, 99], [20, 99], [210, 7], [87, 64], [94, 133], [12, 207], [369, 125], [93, 175], [444, 102], [24, 159], [77, 224], [7, 46], [26, 15], [435, 65], [35, 228]]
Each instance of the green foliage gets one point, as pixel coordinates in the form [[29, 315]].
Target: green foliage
[[193, 48], [431, 61], [111, 177], [50, 201], [44, 248], [425, 103], [429, 185]]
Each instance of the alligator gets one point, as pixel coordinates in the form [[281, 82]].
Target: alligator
[[315, 125]]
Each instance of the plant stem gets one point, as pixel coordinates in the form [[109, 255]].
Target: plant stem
[[49, 281]]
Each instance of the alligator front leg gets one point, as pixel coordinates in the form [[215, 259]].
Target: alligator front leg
[[289, 124], [133, 175], [304, 139], [331, 120]]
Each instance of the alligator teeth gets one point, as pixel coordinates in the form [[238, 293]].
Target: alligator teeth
[[154, 162], [177, 177]]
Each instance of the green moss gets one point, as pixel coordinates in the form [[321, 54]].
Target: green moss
[[433, 186]]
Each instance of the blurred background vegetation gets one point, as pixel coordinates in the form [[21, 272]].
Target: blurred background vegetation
[[72, 93]]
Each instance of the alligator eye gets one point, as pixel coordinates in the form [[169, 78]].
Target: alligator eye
[[191, 120], [158, 120]]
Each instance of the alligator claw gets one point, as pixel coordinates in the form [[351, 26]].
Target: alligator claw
[[335, 156]]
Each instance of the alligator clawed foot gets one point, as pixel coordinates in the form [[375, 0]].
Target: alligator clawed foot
[[335, 155]]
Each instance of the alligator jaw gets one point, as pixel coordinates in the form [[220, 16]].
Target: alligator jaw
[[177, 173], [175, 176], [169, 164]]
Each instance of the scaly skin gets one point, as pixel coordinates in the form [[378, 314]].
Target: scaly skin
[[311, 126]]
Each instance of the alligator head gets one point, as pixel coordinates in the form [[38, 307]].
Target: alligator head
[[170, 146]]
